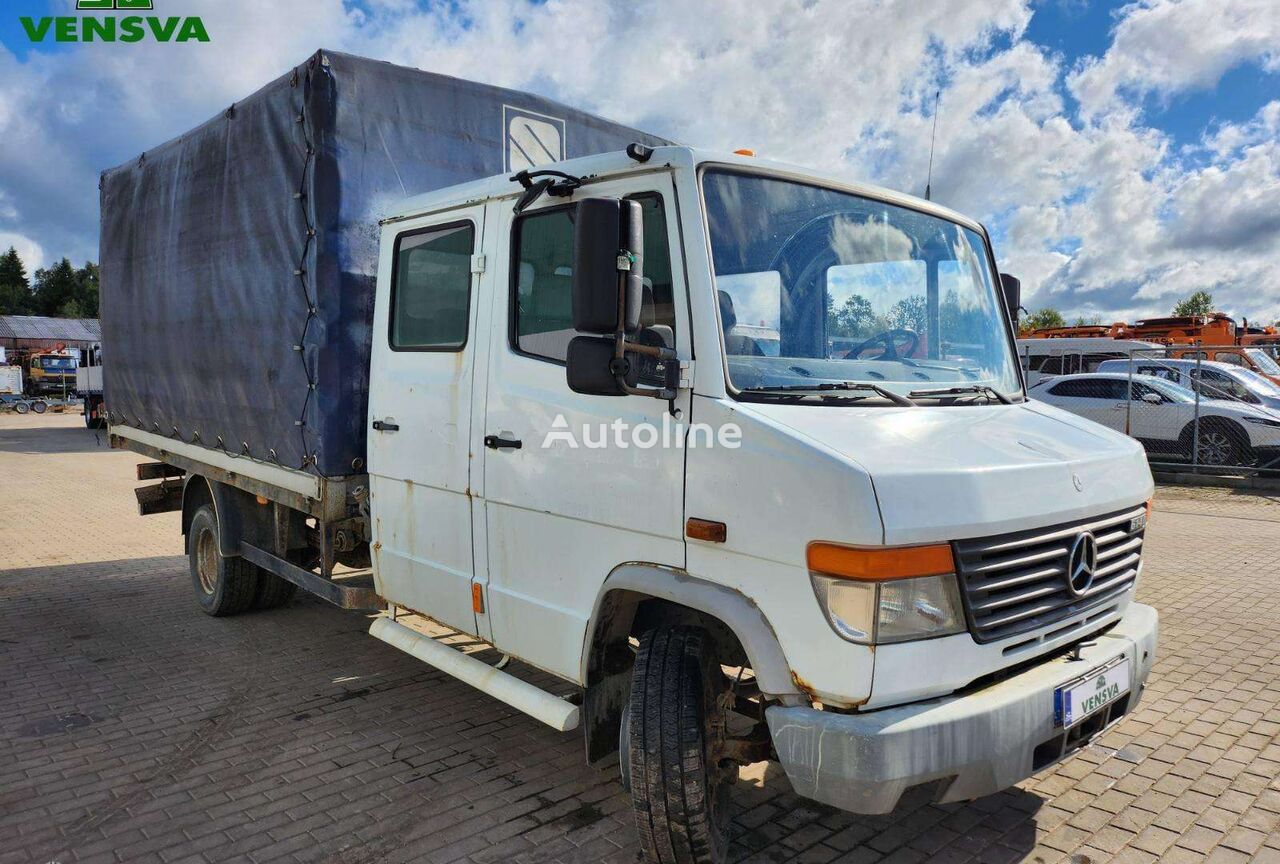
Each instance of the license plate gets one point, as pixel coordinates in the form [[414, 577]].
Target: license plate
[[1093, 691]]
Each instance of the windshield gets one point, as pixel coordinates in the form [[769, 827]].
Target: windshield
[[818, 286], [1176, 392], [1263, 361], [59, 364]]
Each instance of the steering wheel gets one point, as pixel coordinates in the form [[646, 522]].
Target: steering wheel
[[895, 344]]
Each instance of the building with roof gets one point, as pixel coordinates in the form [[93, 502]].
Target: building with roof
[[21, 334]]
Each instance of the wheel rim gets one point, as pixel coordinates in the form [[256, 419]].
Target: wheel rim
[[207, 561], [1215, 448]]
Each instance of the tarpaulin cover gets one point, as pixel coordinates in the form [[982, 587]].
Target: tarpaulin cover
[[238, 260]]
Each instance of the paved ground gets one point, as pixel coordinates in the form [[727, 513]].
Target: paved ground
[[134, 729]]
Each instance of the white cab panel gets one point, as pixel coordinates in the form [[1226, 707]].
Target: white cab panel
[[560, 518], [420, 471]]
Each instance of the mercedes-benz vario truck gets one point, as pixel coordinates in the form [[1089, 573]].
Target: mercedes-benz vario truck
[[531, 402]]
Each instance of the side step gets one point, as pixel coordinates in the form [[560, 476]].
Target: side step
[[539, 704]]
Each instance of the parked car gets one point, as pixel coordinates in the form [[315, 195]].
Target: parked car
[[1254, 359], [1162, 415], [1214, 380]]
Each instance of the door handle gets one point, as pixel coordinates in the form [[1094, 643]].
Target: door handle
[[493, 442], [385, 426]]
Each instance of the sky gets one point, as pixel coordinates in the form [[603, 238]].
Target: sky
[[1123, 155]]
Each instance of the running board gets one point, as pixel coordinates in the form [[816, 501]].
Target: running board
[[539, 704]]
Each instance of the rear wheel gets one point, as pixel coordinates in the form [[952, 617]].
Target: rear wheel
[[674, 728], [22, 407], [224, 586], [39, 406], [273, 592]]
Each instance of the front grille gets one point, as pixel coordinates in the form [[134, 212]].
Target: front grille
[[1016, 583]]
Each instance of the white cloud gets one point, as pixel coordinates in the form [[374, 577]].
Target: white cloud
[[1168, 46], [1096, 211], [29, 250]]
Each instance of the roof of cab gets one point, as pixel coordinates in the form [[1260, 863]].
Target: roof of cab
[[604, 165]]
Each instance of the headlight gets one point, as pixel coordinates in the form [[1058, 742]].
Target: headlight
[[876, 596]]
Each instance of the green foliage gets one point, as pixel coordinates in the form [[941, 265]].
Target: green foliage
[[910, 313], [1091, 321], [15, 289], [1046, 317], [855, 318], [63, 291], [1199, 303]]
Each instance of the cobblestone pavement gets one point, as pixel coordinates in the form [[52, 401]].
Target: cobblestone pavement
[[135, 729]]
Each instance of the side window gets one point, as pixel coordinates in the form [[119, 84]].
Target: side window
[[1071, 390], [542, 317], [1216, 385], [431, 289], [1091, 388], [1140, 391], [1047, 365]]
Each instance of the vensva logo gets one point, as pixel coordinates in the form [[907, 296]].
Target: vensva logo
[[109, 28]]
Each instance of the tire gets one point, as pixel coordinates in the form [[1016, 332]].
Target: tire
[[678, 791], [1219, 445], [22, 407], [223, 586], [273, 592], [39, 406]]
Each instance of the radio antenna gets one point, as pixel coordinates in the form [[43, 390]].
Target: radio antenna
[[928, 183]]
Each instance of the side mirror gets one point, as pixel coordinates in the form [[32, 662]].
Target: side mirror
[[590, 367], [608, 265], [1011, 286], [608, 292]]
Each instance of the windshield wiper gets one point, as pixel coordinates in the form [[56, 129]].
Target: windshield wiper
[[979, 389], [847, 386]]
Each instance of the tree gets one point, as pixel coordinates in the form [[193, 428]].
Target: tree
[[1091, 321], [15, 289], [910, 313], [1199, 303], [1046, 317], [55, 286], [87, 290], [851, 319]]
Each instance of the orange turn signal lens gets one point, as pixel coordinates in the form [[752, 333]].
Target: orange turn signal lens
[[745, 152], [880, 564]]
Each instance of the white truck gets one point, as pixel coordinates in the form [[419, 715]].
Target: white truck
[[873, 560]]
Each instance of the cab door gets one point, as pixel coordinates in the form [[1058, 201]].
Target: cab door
[[425, 340], [561, 516]]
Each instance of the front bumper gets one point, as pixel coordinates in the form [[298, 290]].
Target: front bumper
[[979, 742]]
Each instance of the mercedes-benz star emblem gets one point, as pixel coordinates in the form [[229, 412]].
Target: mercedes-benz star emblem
[[1081, 563]]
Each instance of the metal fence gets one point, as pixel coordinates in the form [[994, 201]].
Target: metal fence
[[1189, 413]]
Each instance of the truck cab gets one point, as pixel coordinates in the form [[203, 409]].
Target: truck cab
[[863, 535]]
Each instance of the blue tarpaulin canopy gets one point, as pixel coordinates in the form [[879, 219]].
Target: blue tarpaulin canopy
[[256, 232]]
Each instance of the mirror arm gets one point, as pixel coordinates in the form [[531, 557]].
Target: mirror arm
[[620, 365]]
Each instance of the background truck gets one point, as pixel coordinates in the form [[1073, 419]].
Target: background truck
[[51, 373], [878, 563], [89, 391]]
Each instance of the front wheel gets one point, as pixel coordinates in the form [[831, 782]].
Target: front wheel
[[224, 586], [1220, 445], [675, 724]]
